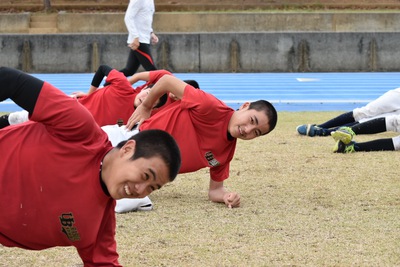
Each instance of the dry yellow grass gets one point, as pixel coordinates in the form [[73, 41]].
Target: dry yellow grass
[[301, 206]]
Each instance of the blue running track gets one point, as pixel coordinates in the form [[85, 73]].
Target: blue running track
[[287, 91]]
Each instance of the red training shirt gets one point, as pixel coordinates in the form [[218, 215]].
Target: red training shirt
[[199, 124], [116, 101], [50, 188]]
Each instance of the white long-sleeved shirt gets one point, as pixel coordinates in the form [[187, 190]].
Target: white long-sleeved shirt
[[139, 19]]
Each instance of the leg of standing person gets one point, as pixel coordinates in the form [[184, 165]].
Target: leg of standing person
[[132, 64], [141, 56], [145, 57]]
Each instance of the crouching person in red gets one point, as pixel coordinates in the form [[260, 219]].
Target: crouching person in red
[[60, 175]]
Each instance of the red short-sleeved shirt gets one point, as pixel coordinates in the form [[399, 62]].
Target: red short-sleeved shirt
[[49, 185], [199, 124], [113, 102]]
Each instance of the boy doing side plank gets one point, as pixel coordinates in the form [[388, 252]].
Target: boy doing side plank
[[110, 104], [60, 175], [205, 129]]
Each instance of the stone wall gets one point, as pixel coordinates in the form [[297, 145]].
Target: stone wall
[[189, 22], [209, 52]]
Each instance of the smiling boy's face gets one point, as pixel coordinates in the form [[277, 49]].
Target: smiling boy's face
[[248, 123], [136, 178]]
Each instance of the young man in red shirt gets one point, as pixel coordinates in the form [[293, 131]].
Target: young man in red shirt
[[60, 175], [112, 103], [205, 129]]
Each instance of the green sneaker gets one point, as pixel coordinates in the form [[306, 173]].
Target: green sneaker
[[341, 147], [344, 134]]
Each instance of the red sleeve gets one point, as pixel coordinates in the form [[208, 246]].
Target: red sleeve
[[155, 75], [118, 80], [201, 103], [104, 251], [64, 116], [220, 173]]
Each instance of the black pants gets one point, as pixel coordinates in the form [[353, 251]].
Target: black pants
[[20, 87], [141, 56]]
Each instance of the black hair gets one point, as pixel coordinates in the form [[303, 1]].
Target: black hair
[[161, 101], [157, 143], [193, 83], [269, 109]]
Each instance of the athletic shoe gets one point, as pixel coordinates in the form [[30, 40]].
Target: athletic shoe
[[344, 134], [309, 130], [133, 204], [341, 147]]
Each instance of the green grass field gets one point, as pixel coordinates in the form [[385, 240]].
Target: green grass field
[[302, 205]]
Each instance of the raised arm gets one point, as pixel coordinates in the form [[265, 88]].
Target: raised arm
[[139, 76], [166, 84], [151, 77]]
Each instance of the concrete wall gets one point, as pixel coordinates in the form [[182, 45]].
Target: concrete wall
[[14, 23], [91, 23], [208, 52], [211, 42], [166, 22], [274, 22]]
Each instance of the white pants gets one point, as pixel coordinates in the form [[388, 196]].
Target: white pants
[[117, 134], [385, 105], [393, 124], [396, 142]]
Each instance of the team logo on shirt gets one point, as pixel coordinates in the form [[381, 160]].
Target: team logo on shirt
[[211, 160], [67, 226]]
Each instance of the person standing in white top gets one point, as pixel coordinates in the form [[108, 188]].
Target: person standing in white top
[[138, 21]]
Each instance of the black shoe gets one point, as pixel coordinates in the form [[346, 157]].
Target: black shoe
[[4, 121]]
